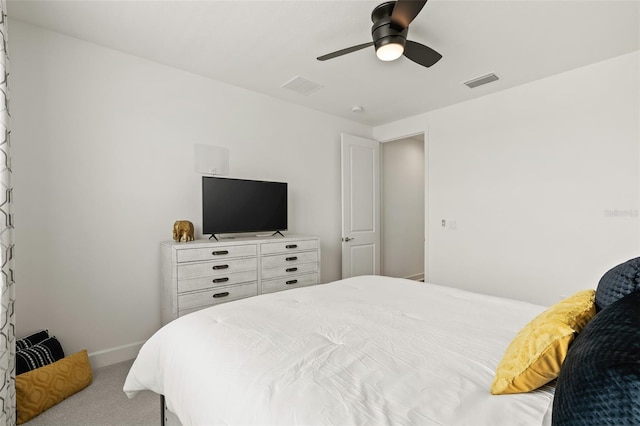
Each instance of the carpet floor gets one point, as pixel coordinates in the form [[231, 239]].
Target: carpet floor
[[103, 403]]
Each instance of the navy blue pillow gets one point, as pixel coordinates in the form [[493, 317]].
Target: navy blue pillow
[[618, 282], [599, 383]]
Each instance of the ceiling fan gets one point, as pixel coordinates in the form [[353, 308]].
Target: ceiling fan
[[389, 31]]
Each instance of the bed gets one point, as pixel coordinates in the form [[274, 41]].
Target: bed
[[364, 350]]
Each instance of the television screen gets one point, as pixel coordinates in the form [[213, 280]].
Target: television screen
[[238, 205]]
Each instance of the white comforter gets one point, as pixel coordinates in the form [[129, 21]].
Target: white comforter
[[362, 351]]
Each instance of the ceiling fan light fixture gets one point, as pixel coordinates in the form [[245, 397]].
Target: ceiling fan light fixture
[[390, 52], [390, 48]]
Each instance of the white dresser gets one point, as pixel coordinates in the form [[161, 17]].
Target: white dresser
[[202, 273]]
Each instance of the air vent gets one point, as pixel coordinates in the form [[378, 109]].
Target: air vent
[[479, 81], [302, 85]]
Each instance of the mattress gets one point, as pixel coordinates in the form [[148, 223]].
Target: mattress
[[364, 350]]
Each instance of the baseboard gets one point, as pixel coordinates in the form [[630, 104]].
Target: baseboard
[[416, 277], [114, 355]]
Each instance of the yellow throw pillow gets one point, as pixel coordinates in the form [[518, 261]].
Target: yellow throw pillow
[[42, 388], [576, 311], [535, 355]]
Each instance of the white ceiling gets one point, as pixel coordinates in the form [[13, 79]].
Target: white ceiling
[[260, 45]]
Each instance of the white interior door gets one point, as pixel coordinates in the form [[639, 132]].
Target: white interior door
[[360, 206]]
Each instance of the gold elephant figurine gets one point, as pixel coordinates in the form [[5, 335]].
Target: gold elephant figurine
[[183, 230]]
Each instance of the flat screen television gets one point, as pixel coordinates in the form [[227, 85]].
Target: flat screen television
[[239, 205]]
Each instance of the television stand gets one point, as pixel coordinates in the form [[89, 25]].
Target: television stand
[[265, 235]]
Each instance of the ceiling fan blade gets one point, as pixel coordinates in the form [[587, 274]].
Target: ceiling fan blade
[[421, 54], [344, 51], [406, 11]]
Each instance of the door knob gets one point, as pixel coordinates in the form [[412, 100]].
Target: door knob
[[347, 239]]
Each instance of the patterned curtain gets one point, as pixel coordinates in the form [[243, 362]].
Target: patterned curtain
[[7, 317]]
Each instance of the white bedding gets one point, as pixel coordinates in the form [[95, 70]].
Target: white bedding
[[366, 350]]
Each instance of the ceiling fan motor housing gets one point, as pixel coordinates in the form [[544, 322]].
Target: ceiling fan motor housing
[[386, 33], [383, 30]]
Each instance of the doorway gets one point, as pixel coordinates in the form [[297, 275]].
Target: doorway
[[403, 207]]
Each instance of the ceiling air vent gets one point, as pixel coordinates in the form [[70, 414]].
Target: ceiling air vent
[[479, 81], [301, 85]]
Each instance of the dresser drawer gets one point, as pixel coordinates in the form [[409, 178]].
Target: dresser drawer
[[278, 284], [285, 271], [287, 246], [289, 259], [212, 253], [216, 268], [216, 296], [216, 281]]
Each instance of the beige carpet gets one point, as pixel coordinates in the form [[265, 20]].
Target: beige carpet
[[104, 404]]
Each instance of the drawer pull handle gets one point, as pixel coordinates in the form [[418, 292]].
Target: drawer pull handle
[[220, 253], [290, 259], [220, 267], [292, 246], [217, 295], [221, 280], [292, 269], [291, 282]]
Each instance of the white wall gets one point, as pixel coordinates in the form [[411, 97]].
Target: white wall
[[403, 212], [531, 175], [103, 164]]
